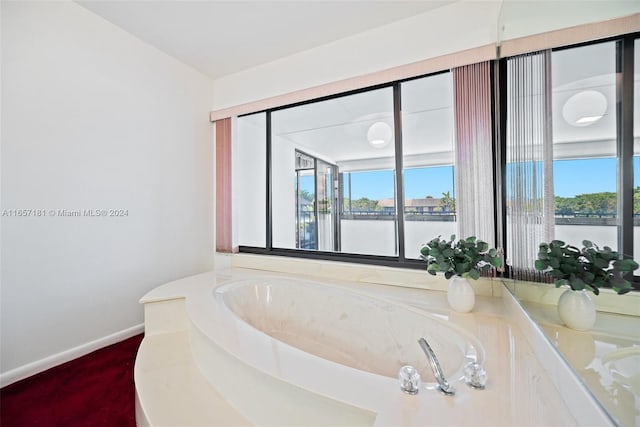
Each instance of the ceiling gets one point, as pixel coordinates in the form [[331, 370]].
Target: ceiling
[[223, 37]]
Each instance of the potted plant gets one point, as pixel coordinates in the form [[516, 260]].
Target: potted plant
[[586, 269], [460, 260]]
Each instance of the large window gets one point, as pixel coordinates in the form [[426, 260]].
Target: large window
[[569, 151], [333, 180], [373, 175]]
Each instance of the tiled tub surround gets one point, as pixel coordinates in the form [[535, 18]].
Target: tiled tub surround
[[202, 364]]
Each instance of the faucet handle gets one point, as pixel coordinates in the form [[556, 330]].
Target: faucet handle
[[409, 379], [475, 376]]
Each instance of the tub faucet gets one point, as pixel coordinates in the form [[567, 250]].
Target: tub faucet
[[443, 384]]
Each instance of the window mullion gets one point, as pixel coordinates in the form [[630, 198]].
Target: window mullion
[[269, 221], [397, 120], [624, 104], [500, 153]]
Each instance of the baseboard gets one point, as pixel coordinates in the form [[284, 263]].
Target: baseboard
[[38, 366]]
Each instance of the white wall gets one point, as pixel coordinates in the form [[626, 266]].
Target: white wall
[[93, 118], [453, 28], [520, 18]]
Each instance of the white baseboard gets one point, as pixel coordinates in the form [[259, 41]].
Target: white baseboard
[[38, 366]]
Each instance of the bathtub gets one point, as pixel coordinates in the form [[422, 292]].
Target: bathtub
[[348, 328], [336, 351], [243, 347]]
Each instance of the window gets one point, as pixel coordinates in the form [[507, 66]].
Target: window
[[333, 166], [428, 158], [568, 151], [374, 174], [584, 144], [249, 189]]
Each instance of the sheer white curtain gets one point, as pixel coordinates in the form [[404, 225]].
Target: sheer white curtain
[[474, 153], [530, 211]]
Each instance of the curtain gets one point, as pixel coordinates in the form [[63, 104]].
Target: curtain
[[530, 211], [474, 153], [223, 186]]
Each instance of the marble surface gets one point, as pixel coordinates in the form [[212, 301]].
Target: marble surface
[[256, 374], [329, 322], [607, 358], [164, 365]]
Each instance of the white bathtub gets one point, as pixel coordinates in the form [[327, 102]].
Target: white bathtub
[[242, 347], [349, 328]]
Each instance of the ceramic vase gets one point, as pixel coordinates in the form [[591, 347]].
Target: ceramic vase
[[460, 295], [576, 310]]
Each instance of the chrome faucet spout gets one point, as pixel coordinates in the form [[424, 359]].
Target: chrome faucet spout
[[443, 384]]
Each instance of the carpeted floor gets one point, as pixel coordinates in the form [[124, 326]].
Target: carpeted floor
[[94, 390]]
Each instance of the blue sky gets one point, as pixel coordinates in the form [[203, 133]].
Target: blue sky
[[418, 183], [573, 177]]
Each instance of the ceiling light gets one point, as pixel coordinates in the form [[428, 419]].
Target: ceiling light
[[588, 119], [584, 108], [379, 135]]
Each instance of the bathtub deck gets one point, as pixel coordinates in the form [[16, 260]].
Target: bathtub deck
[[170, 389], [173, 389]]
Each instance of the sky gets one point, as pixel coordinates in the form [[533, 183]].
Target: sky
[[571, 177], [418, 183]]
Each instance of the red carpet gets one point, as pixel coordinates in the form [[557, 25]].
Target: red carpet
[[94, 390]]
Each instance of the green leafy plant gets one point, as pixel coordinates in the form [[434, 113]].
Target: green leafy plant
[[587, 268], [466, 257]]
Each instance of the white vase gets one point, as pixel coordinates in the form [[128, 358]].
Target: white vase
[[576, 310], [460, 295]]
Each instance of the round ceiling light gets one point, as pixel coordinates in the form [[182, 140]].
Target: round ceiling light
[[379, 135], [584, 108]]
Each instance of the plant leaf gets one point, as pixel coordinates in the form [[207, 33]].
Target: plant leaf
[[474, 274], [541, 264]]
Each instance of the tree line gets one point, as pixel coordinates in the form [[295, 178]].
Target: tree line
[[601, 203]]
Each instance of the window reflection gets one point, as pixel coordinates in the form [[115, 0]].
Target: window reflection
[[428, 177], [584, 144], [348, 144]]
